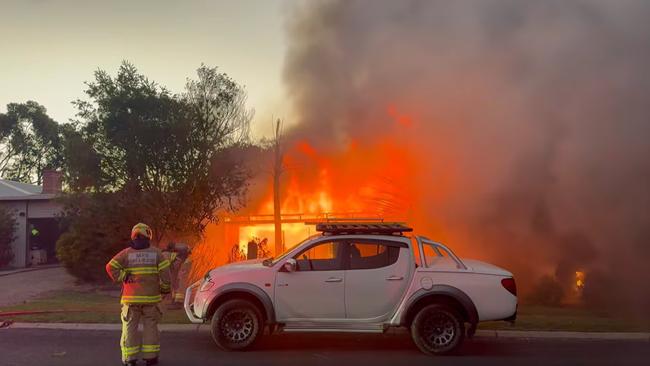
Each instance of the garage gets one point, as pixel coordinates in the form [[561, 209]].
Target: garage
[[36, 211]]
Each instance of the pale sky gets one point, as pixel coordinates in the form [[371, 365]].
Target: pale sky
[[48, 48]]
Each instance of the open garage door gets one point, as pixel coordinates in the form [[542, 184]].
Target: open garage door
[[43, 234]]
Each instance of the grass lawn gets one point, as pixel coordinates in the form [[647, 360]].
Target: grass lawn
[[530, 317], [82, 307], [102, 307]]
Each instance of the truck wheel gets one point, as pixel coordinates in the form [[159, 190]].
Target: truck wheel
[[437, 329], [236, 325]]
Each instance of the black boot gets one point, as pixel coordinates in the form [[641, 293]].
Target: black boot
[[151, 361], [130, 363]]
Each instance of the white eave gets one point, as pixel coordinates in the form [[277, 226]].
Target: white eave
[[16, 191], [42, 196]]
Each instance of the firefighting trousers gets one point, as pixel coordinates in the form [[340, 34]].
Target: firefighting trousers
[[178, 297], [131, 342]]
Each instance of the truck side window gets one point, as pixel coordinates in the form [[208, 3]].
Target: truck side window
[[372, 255], [321, 257]]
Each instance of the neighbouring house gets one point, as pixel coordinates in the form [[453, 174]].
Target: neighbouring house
[[36, 211]]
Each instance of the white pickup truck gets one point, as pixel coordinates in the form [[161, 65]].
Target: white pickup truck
[[354, 277]]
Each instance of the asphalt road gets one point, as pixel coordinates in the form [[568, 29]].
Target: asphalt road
[[26, 347]]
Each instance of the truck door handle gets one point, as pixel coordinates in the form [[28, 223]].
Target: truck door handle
[[334, 279], [394, 278]]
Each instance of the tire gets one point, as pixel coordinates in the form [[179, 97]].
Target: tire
[[236, 325], [438, 329]]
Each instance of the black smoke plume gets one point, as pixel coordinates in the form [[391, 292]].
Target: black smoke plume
[[533, 115]]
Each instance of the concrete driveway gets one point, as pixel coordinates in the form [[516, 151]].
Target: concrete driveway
[[19, 287]]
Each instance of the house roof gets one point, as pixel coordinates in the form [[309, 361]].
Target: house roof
[[16, 191]]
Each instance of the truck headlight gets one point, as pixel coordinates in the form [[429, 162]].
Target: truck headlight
[[207, 283]]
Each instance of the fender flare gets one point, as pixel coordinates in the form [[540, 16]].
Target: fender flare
[[445, 290], [250, 289]]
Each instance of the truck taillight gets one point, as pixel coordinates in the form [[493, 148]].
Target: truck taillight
[[510, 285]]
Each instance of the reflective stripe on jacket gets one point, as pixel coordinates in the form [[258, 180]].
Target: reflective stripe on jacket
[[144, 274]]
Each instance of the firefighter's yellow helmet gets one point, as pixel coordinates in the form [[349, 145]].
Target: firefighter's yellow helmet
[[141, 229]]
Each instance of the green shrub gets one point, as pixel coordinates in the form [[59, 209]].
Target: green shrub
[[7, 236], [98, 228]]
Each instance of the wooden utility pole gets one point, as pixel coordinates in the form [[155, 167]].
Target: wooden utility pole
[[277, 171]]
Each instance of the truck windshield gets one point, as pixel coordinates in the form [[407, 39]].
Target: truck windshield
[[271, 261]]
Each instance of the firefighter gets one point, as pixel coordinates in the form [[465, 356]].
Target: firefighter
[[144, 274], [177, 254], [183, 276], [172, 256]]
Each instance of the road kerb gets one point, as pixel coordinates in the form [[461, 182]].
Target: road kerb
[[518, 334], [531, 334], [106, 327], [28, 269]]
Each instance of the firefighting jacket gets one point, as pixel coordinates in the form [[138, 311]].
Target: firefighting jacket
[[174, 267], [143, 272], [183, 280]]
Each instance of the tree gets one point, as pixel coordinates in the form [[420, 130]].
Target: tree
[[169, 160], [175, 153], [30, 141], [98, 227], [7, 236]]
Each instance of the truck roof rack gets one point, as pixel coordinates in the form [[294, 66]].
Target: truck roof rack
[[376, 228]]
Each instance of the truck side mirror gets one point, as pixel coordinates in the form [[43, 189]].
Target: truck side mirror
[[290, 265]]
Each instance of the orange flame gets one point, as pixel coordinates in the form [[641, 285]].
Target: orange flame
[[364, 179], [580, 280]]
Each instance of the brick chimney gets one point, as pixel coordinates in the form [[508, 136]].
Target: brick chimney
[[51, 181]]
